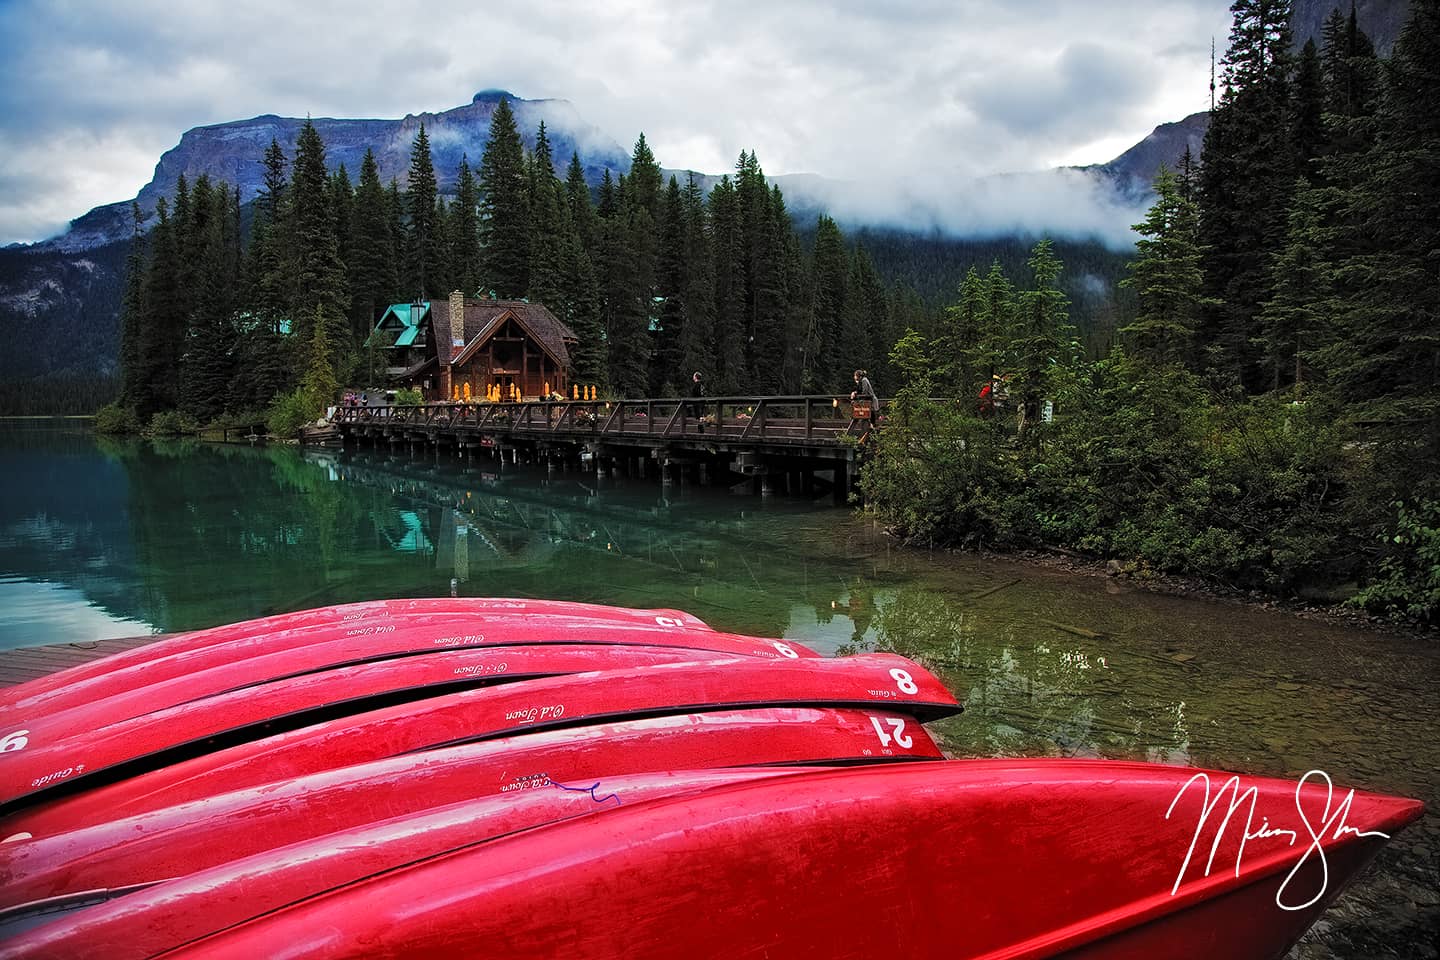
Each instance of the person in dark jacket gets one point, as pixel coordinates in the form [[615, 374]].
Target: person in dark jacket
[[697, 390]]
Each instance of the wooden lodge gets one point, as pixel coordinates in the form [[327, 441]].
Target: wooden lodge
[[462, 348]]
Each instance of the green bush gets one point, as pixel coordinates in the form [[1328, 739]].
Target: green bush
[[937, 475], [409, 397], [1409, 582], [116, 419], [291, 411], [172, 423]]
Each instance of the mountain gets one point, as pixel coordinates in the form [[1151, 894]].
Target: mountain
[[1134, 171], [1381, 20], [232, 152]]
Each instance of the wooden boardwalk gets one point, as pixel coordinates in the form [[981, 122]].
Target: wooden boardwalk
[[816, 422], [28, 663], [755, 437]]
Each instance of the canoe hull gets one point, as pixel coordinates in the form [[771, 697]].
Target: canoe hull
[[961, 859]]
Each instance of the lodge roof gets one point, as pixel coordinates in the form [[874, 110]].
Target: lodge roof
[[482, 317]]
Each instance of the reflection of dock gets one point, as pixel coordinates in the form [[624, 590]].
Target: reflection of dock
[[474, 525], [29, 663]]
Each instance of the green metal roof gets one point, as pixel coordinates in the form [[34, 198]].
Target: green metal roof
[[407, 338]]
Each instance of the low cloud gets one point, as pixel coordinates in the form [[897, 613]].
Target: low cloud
[[1069, 203]]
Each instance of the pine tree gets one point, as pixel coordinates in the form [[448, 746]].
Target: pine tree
[[1384, 358], [373, 277], [668, 375], [162, 335], [133, 314], [424, 237], [1248, 169], [504, 213], [626, 315], [271, 242], [729, 298], [1045, 345], [320, 289], [1166, 276], [1307, 109], [956, 349], [547, 224], [697, 326], [465, 230], [207, 369], [825, 371], [580, 297]]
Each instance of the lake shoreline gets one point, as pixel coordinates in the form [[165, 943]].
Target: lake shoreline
[[1178, 585]]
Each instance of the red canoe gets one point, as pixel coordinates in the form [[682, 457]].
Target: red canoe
[[364, 613], [223, 665], [962, 859], [58, 856], [221, 743], [316, 684]]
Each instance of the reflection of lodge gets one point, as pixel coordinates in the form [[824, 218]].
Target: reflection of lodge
[[462, 348], [472, 531]]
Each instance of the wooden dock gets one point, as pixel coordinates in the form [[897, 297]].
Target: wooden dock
[[29, 663], [760, 438]]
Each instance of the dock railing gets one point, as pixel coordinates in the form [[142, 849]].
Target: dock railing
[[771, 419]]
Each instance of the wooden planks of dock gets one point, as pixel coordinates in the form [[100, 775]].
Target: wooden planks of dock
[[28, 663]]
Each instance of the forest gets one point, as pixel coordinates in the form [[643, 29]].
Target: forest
[[1270, 418]]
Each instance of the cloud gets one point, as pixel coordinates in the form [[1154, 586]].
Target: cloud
[[919, 91]]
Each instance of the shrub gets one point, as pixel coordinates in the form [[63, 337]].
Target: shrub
[[291, 411], [172, 423], [1409, 582], [116, 419], [937, 475], [409, 397]]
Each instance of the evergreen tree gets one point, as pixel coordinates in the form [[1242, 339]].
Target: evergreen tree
[[956, 349], [547, 224], [580, 297], [1307, 109], [270, 242], [133, 315], [697, 325], [1385, 356], [825, 372], [207, 369], [997, 355], [1248, 169], [465, 230], [1045, 345], [320, 290], [668, 376], [730, 373], [504, 213], [162, 335], [1166, 276], [373, 278], [424, 239]]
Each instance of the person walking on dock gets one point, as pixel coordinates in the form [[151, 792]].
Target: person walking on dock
[[697, 390], [865, 393]]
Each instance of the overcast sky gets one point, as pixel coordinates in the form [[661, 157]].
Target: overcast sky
[[930, 91]]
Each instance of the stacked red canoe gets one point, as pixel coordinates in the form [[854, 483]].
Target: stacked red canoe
[[519, 778]]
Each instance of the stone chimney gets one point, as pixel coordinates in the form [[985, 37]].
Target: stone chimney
[[444, 351]]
